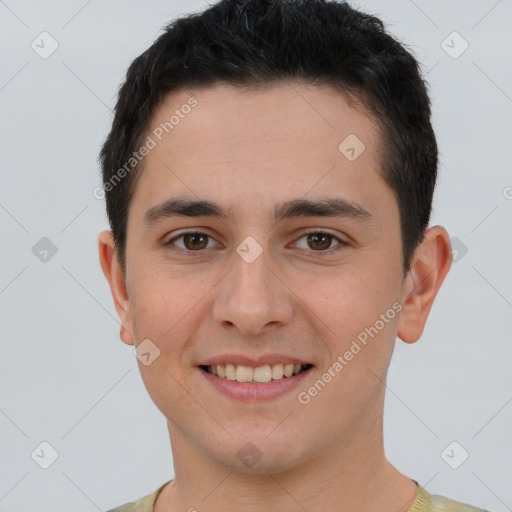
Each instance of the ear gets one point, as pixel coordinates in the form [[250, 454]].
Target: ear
[[430, 264], [112, 269]]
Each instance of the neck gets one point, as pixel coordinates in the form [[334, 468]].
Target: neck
[[351, 476]]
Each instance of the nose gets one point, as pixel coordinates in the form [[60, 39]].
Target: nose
[[253, 297]]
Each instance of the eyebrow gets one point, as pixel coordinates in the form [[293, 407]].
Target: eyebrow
[[325, 207]]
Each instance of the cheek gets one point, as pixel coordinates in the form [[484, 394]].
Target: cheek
[[162, 305], [349, 299], [358, 310], [352, 305]]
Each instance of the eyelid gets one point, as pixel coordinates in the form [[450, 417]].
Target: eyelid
[[180, 234], [323, 231], [331, 250]]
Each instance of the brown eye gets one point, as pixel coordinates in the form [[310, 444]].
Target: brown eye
[[195, 241], [320, 241]]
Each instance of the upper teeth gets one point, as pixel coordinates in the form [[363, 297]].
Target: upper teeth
[[265, 373]]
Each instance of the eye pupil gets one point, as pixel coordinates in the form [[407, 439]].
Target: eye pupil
[[194, 237], [197, 242], [315, 236]]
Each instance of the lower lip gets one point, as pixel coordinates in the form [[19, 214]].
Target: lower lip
[[255, 392]]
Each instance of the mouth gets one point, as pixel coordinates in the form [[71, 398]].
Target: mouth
[[255, 375]]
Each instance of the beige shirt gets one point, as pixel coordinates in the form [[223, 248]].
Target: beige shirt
[[424, 502]]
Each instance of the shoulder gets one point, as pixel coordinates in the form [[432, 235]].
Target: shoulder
[[426, 502], [443, 504], [144, 504]]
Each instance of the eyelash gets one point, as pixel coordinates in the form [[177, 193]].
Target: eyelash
[[200, 252]]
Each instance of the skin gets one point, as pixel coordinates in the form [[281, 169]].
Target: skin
[[250, 150]]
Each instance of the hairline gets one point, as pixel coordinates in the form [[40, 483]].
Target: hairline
[[356, 97]]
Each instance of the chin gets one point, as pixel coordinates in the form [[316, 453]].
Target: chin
[[260, 455]]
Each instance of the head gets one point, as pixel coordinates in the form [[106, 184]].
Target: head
[[260, 43], [254, 107]]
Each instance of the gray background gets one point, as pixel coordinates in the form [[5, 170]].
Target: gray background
[[68, 380]]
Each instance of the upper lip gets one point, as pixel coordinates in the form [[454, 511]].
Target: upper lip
[[268, 359]]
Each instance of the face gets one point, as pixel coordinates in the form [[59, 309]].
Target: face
[[271, 281]]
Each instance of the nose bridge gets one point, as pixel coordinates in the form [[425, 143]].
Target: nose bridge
[[251, 297], [251, 285], [252, 280]]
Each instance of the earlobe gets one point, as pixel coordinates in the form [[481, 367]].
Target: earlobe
[[111, 268], [430, 265]]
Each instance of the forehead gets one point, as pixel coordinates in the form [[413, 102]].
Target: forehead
[[259, 145], [314, 118]]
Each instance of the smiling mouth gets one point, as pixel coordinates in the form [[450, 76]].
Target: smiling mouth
[[258, 375]]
